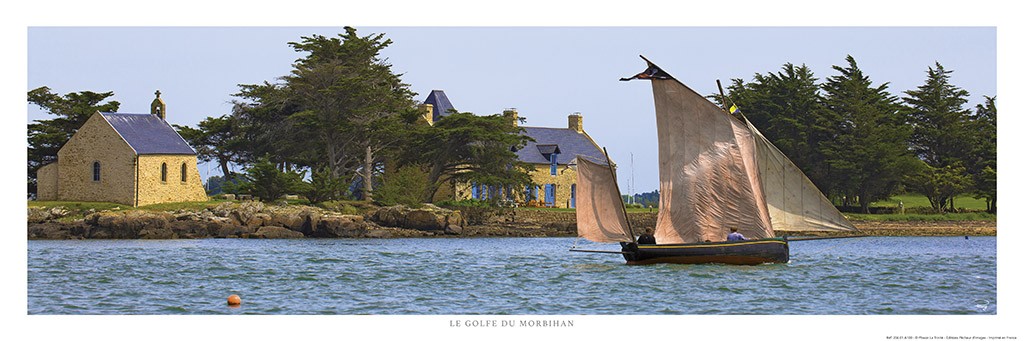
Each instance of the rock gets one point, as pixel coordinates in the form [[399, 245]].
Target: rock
[[229, 197], [189, 229], [453, 229], [424, 220], [57, 231], [186, 216], [58, 212], [339, 227], [260, 219], [222, 210], [157, 233], [290, 220], [232, 231], [245, 213], [390, 216], [276, 232], [38, 215]]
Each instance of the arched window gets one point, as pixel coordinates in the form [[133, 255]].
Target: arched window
[[163, 172], [96, 171], [184, 172]]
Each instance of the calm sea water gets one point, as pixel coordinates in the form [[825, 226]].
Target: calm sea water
[[518, 276]]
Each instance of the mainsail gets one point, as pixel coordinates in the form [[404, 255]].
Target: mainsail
[[599, 212], [709, 179]]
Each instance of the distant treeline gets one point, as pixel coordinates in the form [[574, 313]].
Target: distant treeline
[[649, 199]]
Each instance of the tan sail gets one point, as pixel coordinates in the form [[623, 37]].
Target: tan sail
[[794, 203], [599, 213], [709, 180]]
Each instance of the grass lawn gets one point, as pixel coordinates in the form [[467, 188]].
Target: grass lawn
[[99, 206], [911, 200]]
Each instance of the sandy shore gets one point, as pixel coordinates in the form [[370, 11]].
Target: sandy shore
[[915, 228]]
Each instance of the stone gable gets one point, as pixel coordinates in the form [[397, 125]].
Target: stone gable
[[96, 141]]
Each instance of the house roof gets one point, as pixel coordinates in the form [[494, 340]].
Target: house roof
[[567, 142], [441, 104], [148, 134]]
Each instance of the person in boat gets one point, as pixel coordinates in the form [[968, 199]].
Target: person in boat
[[647, 237], [735, 235]]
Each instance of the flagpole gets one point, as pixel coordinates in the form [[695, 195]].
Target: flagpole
[[725, 106]]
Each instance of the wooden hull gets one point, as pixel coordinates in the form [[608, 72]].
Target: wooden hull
[[747, 252]]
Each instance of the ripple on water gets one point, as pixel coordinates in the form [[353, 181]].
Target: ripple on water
[[501, 276]]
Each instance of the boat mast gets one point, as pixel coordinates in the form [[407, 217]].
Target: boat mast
[[725, 106], [629, 226]]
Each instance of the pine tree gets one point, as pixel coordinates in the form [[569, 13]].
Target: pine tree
[[870, 154], [982, 164], [939, 119], [942, 135], [787, 108]]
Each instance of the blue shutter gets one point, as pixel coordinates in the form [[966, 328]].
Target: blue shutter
[[476, 191], [549, 195], [572, 199], [554, 164]]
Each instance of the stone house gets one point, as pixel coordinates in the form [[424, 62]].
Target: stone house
[[552, 156], [131, 159]]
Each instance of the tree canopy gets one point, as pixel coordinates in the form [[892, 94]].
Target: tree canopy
[[46, 137]]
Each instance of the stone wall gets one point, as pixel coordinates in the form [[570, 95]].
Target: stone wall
[[46, 182], [638, 220], [96, 141], [153, 190]]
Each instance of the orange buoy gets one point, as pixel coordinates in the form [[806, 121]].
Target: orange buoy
[[234, 300]]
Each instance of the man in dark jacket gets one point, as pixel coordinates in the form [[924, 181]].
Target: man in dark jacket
[[647, 237]]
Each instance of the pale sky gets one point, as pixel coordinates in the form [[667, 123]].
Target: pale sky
[[546, 73]]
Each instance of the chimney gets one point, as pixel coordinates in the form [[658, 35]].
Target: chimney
[[576, 122], [158, 108], [428, 113], [514, 114]]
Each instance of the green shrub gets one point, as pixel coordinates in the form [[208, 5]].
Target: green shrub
[[323, 187], [265, 181], [339, 206], [405, 186]]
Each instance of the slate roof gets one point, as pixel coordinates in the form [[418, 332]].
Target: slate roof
[[148, 134], [441, 104], [569, 143]]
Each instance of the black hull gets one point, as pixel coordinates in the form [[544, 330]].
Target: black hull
[[747, 252]]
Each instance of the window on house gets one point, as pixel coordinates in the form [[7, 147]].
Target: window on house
[[184, 172], [163, 172], [554, 164], [96, 171]]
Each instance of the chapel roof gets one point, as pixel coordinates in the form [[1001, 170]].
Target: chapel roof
[[148, 134]]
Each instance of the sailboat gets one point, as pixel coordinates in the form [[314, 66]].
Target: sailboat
[[716, 172]]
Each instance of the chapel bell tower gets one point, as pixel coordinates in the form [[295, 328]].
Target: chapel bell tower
[[158, 108]]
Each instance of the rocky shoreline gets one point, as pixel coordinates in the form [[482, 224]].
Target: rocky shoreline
[[258, 220]]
